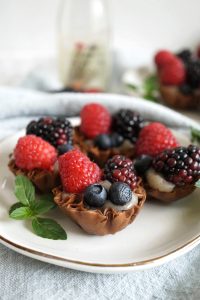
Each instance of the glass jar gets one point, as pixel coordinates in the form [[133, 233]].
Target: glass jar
[[84, 44]]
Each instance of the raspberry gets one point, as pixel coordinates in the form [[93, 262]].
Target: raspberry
[[163, 57], [180, 166], [32, 152], [128, 123], [56, 131], [77, 171], [193, 74], [95, 120], [154, 138], [173, 73], [120, 168]]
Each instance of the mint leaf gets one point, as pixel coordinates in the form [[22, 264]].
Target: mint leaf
[[132, 86], [22, 213], [150, 87], [46, 197], [24, 190], [195, 133], [15, 206], [42, 206], [197, 184], [49, 229]]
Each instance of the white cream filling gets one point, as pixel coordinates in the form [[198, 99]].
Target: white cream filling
[[157, 182]]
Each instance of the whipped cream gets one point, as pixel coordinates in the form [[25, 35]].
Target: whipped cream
[[157, 181]]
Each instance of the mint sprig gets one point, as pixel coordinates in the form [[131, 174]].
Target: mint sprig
[[30, 208], [195, 133]]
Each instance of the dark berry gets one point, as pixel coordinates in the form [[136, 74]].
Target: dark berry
[[56, 131], [120, 193], [185, 55], [103, 141], [128, 123], [116, 139], [180, 166], [193, 74], [185, 89], [120, 168], [64, 148], [142, 163], [95, 195]]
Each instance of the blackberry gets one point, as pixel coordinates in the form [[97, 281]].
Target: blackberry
[[185, 55], [128, 123], [193, 74], [56, 131], [180, 166], [120, 168]]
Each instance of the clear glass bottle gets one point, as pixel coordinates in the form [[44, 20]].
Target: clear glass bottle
[[84, 44]]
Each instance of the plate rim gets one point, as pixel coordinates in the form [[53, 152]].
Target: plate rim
[[97, 267]]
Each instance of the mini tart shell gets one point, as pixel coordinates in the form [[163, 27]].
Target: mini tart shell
[[168, 197], [97, 221], [174, 98], [43, 180], [97, 155]]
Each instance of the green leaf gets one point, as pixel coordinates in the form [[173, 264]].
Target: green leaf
[[22, 213], [49, 229], [15, 206], [197, 184], [24, 190], [46, 197], [195, 133], [42, 206], [150, 87], [132, 86]]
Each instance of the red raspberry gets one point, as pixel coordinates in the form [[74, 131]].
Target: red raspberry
[[163, 57], [173, 73], [95, 120], [32, 152], [77, 171], [154, 138]]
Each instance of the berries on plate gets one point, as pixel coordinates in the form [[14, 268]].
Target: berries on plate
[[120, 168], [163, 57], [128, 124], [77, 171], [32, 152], [181, 165], [95, 120], [154, 138], [173, 73], [56, 131], [95, 195], [120, 193]]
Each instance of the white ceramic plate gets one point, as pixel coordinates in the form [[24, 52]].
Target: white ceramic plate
[[159, 234]]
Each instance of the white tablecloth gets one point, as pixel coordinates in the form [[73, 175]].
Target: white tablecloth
[[25, 278]]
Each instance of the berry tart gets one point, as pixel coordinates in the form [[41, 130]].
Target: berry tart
[[101, 135], [100, 202], [172, 174], [36, 159], [179, 78]]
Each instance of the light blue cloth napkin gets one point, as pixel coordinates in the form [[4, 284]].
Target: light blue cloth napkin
[[24, 278]]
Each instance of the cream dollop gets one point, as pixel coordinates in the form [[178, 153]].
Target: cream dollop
[[158, 182]]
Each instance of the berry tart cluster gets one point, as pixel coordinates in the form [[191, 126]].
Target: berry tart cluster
[[101, 171], [179, 78]]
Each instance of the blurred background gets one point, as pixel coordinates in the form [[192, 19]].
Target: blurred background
[[135, 30]]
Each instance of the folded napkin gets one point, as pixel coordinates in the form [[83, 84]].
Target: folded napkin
[[25, 278]]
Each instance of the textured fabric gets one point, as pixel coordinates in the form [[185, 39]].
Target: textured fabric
[[24, 278]]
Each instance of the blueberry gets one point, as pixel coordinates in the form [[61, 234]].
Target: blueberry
[[116, 139], [120, 193], [142, 163], [64, 148], [95, 195], [103, 141]]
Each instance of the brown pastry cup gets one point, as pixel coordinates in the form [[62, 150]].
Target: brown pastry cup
[[43, 180], [96, 221], [101, 156], [176, 194], [174, 98]]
